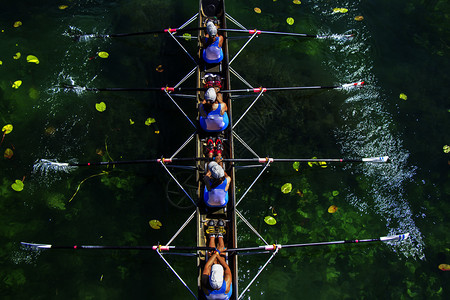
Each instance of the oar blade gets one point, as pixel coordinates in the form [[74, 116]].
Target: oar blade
[[395, 238], [378, 159], [34, 246], [45, 166]]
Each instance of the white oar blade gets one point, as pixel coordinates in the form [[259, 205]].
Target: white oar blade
[[45, 166], [396, 238], [36, 246], [379, 159]]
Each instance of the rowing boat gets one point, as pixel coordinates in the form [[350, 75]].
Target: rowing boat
[[216, 9]]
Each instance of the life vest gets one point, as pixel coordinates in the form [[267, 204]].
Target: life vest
[[213, 54], [214, 122], [216, 197]]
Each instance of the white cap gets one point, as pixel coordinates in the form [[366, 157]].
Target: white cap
[[216, 170], [216, 277], [210, 95], [211, 29]]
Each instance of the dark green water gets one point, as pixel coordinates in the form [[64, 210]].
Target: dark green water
[[398, 48]]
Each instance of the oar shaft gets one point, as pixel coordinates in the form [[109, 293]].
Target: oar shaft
[[253, 31], [173, 30], [291, 88], [149, 89], [129, 162], [271, 160]]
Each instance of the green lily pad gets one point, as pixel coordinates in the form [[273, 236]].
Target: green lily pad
[[150, 121], [335, 193], [286, 188], [270, 220], [155, 224], [101, 107], [17, 185], [296, 166]]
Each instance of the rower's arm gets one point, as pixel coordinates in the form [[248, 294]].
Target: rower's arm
[[228, 182]]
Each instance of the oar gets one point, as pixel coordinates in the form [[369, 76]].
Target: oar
[[149, 89], [393, 238], [171, 30], [43, 165], [378, 159], [253, 31], [97, 247], [262, 89]]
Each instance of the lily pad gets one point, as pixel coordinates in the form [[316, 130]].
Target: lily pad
[[17, 24], [17, 84], [17, 55], [159, 69], [270, 220], [187, 36], [8, 153], [101, 107], [131, 122], [335, 193], [290, 21], [286, 188], [444, 267], [297, 2], [257, 10], [7, 128], [296, 166], [446, 149], [403, 96], [63, 7], [155, 224], [17, 185], [103, 54], [340, 10], [332, 209], [32, 59], [150, 121], [359, 18]]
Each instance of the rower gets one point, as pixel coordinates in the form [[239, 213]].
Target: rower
[[213, 111], [216, 275], [217, 183], [213, 52]]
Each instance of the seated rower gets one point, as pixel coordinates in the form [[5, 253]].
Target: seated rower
[[216, 276], [217, 183], [213, 112], [213, 52]]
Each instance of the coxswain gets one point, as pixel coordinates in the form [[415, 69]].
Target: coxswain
[[213, 52]]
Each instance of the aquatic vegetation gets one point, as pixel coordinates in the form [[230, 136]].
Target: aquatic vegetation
[[270, 220], [155, 224], [8, 153], [18, 185], [332, 209], [32, 59], [33, 93], [16, 84], [403, 96], [103, 54], [101, 107], [17, 24], [290, 21], [131, 122], [296, 166], [446, 148], [56, 201], [340, 10], [286, 188], [159, 69], [444, 267], [149, 121], [297, 2], [359, 18], [79, 185], [257, 10], [17, 55], [61, 7]]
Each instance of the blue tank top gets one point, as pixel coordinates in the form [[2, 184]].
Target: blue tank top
[[214, 122], [220, 294], [213, 54], [217, 197]]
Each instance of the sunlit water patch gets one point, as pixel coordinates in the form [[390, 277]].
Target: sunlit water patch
[[370, 131]]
